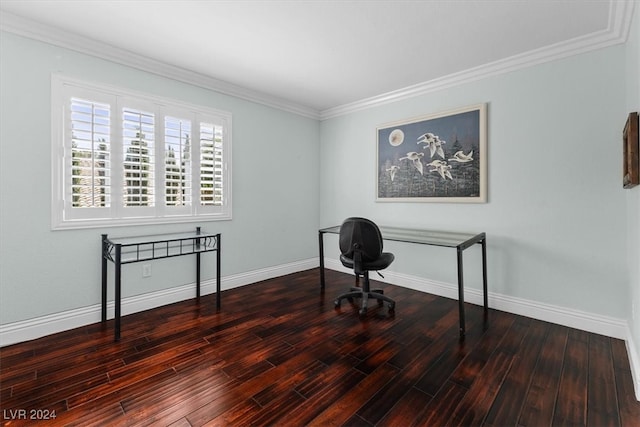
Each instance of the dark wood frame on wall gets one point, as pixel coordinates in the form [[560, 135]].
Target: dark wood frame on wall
[[631, 162]]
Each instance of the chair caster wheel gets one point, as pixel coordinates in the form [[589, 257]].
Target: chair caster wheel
[[392, 308], [363, 312], [336, 303]]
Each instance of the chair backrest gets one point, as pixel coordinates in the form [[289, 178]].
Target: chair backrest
[[363, 233]]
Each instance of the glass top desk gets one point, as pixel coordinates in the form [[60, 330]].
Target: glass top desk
[[448, 239]]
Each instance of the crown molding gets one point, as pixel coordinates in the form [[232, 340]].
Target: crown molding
[[620, 16], [27, 28]]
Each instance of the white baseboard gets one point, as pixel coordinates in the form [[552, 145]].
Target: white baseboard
[[609, 326], [634, 361], [30, 329]]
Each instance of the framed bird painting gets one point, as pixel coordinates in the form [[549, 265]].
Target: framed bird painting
[[436, 158]]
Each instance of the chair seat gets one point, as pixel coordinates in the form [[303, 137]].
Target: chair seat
[[386, 258]]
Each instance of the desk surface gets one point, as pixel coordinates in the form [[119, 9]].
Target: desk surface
[[450, 239]]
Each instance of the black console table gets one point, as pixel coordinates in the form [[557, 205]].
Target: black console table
[[460, 241], [128, 250]]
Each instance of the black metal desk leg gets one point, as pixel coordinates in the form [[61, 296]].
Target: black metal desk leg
[[104, 278], [484, 277], [321, 254], [197, 264], [461, 293], [118, 295], [198, 275], [219, 245]]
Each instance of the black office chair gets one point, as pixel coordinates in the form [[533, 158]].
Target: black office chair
[[361, 250]]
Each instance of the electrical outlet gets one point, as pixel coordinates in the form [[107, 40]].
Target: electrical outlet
[[146, 270]]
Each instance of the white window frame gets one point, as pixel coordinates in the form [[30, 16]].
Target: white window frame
[[65, 216]]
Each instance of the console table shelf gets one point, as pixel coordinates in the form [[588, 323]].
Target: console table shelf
[[128, 250]]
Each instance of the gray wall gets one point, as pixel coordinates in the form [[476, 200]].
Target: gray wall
[[275, 188], [556, 219], [633, 195]]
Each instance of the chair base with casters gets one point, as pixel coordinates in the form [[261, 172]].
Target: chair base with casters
[[365, 293], [361, 250]]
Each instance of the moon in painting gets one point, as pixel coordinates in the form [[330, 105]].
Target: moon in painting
[[396, 137]]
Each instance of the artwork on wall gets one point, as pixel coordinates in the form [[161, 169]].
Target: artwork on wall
[[435, 158], [631, 158]]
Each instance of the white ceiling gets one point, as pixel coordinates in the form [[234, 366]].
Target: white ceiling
[[320, 56]]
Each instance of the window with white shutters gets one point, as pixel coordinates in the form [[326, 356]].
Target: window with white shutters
[[122, 159]]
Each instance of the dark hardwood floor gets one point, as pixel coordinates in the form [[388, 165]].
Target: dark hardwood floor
[[280, 354]]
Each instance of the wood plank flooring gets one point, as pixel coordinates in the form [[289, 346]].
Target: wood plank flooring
[[279, 354]]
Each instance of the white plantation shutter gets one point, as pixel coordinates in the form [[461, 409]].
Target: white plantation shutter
[[177, 161], [211, 165], [138, 142], [90, 154], [124, 159]]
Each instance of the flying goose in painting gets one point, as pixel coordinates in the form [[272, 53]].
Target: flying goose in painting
[[460, 157], [392, 171], [433, 142], [441, 167], [415, 157]]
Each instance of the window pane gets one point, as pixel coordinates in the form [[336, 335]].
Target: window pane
[[138, 145], [177, 161], [90, 154], [211, 166]]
